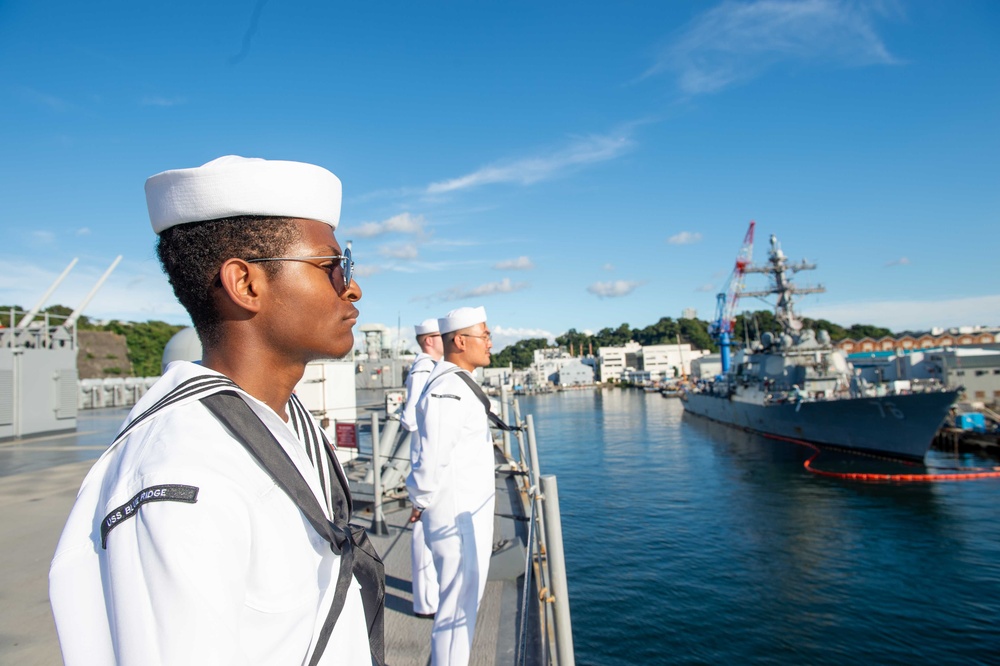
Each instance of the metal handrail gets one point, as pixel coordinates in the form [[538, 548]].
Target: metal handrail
[[543, 547]]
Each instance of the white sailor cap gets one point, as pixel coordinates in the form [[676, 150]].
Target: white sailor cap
[[426, 326], [461, 318], [233, 185]]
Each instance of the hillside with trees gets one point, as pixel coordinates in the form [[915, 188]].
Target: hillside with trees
[[146, 340], [668, 331]]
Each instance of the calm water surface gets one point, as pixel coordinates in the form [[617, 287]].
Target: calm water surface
[[691, 543]]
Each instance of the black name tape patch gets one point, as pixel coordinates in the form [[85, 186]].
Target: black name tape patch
[[167, 493], [445, 395]]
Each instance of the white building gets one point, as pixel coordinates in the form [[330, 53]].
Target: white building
[[498, 378], [576, 373], [554, 365], [669, 361], [614, 362], [707, 366], [633, 362]]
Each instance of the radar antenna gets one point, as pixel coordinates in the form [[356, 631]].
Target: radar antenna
[[777, 267]]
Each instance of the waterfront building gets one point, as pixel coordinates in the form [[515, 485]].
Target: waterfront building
[[706, 367], [637, 364], [555, 366], [976, 369], [614, 362], [505, 377], [935, 338], [576, 373], [664, 362]]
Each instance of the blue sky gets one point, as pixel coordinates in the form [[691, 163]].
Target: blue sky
[[564, 164]]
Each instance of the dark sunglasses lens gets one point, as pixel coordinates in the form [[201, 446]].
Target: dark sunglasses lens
[[347, 268]]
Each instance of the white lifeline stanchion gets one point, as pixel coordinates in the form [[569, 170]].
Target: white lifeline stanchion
[[532, 449], [521, 455], [557, 571], [541, 542], [535, 473], [378, 519], [503, 417]]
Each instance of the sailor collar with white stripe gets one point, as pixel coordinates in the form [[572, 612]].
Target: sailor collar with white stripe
[[185, 382]]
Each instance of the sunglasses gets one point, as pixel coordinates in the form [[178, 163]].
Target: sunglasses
[[345, 262]]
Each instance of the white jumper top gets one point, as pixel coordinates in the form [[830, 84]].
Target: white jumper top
[[453, 460], [180, 549]]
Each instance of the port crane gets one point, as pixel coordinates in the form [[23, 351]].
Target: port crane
[[724, 321]]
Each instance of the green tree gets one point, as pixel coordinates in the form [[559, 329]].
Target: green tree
[[857, 331], [520, 354], [613, 337], [146, 342], [695, 332], [572, 338]]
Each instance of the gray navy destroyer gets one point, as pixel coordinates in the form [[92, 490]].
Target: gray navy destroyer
[[797, 385]]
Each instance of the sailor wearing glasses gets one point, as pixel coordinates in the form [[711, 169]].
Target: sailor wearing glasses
[[181, 547], [425, 585], [452, 485]]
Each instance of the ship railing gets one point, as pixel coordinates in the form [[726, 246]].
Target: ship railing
[[17, 330], [545, 561], [112, 391]]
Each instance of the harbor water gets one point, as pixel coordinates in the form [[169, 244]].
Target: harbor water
[[689, 542]]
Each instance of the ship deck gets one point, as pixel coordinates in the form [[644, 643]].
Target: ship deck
[[39, 480]]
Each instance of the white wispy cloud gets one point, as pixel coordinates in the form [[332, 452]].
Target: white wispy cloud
[[366, 270], [504, 336], [504, 286], [155, 100], [39, 98], [519, 264], [685, 238], [708, 287], [83, 231], [914, 315], [43, 237], [528, 170], [608, 267], [451, 243], [404, 223], [407, 251], [736, 41], [902, 261], [614, 289]]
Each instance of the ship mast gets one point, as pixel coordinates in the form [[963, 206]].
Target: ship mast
[[778, 268]]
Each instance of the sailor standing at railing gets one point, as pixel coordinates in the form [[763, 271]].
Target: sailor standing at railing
[[452, 483], [425, 585]]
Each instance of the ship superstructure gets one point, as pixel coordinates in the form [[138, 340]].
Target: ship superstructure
[[795, 384]]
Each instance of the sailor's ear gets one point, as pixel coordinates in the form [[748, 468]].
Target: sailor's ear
[[242, 284]]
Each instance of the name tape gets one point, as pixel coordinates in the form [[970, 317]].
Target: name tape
[[165, 493]]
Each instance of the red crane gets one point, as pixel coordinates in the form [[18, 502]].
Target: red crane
[[721, 328]]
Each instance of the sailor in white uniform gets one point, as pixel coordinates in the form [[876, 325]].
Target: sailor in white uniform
[[425, 585], [181, 548], [452, 485]]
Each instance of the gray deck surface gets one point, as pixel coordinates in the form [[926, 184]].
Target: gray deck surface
[[39, 479]]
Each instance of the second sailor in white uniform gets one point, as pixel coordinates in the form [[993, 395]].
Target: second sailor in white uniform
[[425, 585], [452, 485]]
